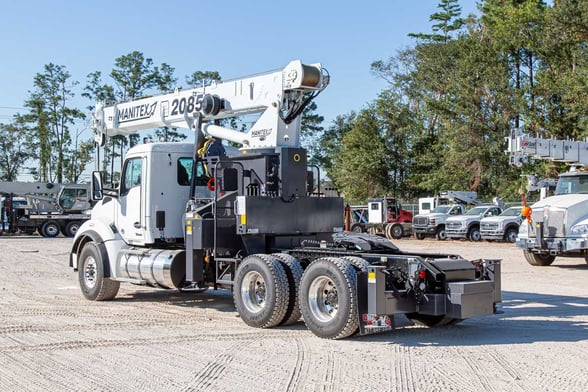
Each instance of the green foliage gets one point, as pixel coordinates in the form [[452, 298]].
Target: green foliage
[[202, 78], [14, 150], [52, 115], [457, 93]]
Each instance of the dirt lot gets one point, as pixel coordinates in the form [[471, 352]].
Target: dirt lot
[[53, 339]]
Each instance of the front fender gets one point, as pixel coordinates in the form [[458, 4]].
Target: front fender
[[107, 241]]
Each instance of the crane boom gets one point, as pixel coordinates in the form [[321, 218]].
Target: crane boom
[[522, 146], [279, 96]]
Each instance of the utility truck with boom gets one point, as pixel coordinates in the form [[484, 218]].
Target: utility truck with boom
[[447, 204], [555, 226], [186, 216], [50, 208]]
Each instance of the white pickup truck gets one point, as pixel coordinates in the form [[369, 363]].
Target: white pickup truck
[[467, 226], [502, 227]]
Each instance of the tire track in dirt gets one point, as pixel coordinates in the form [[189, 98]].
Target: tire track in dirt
[[403, 369], [296, 373], [205, 379], [489, 365], [80, 344]]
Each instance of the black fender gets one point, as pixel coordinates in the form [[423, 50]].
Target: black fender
[[91, 236]]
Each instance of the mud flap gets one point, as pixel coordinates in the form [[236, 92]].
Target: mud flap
[[370, 323]]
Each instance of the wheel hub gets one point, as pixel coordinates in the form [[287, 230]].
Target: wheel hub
[[323, 299], [90, 272], [253, 292]]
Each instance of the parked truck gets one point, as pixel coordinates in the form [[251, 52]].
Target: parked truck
[[555, 226], [189, 217], [387, 218], [447, 204], [467, 226], [46, 208], [504, 227]]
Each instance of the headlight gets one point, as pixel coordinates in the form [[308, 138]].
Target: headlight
[[579, 229], [432, 222], [499, 225]]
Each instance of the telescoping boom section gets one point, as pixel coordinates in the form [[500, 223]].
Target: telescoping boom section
[[255, 221]]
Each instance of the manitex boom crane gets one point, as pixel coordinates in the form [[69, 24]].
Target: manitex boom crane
[[191, 216]]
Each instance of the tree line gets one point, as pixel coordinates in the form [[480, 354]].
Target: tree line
[[451, 99]]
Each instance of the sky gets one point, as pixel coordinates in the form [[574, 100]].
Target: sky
[[235, 38]]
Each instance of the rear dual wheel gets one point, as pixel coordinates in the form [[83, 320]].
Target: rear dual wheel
[[328, 298], [261, 292]]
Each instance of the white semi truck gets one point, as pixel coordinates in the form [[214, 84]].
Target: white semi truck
[[186, 216], [555, 226]]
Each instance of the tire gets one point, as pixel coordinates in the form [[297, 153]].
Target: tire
[[50, 229], [538, 260], [71, 228], [95, 286], [432, 321], [394, 231], [261, 293], [474, 234], [441, 233], [294, 272], [328, 298], [357, 228], [419, 236], [511, 235], [360, 265]]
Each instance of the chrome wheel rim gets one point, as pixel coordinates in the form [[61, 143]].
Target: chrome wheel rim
[[322, 299], [253, 292], [90, 272]]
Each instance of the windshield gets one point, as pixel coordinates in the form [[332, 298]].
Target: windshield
[[512, 211], [441, 209], [572, 184], [477, 211]]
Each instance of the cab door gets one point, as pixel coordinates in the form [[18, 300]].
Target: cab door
[[130, 218]]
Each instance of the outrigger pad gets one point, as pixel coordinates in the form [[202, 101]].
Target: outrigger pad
[[363, 241]]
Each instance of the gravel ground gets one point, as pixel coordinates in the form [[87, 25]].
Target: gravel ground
[[51, 338]]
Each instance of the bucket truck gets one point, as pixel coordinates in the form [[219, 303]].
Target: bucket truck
[[190, 216]]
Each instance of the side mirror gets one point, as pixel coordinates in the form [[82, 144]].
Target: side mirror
[[96, 186]]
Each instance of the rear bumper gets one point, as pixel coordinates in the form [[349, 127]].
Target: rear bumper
[[462, 299]]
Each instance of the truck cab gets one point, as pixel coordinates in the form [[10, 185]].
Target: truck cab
[[558, 225]]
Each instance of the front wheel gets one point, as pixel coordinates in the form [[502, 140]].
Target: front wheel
[[95, 286], [328, 298], [511, 235], [538, 260], [261, 292], [420, 236], [474, 234], [441, 234]]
